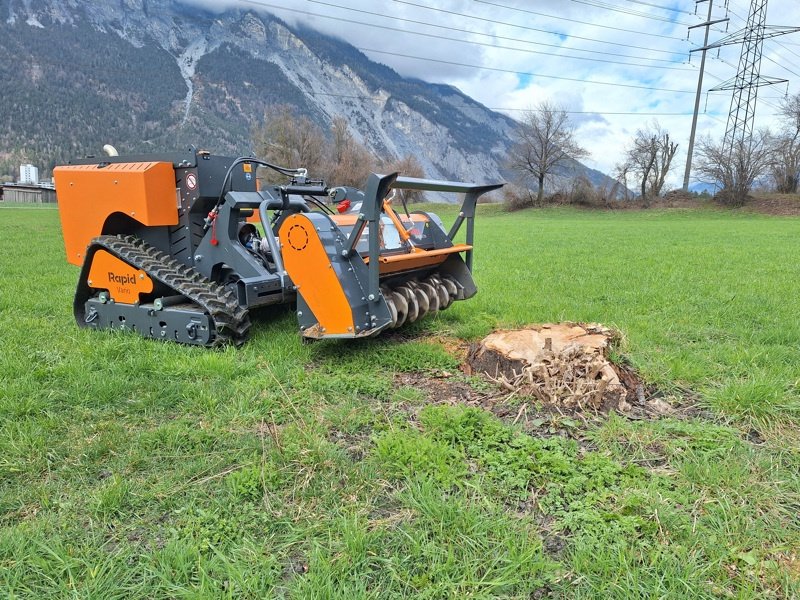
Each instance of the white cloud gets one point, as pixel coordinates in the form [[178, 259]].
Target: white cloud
[[499, 41]]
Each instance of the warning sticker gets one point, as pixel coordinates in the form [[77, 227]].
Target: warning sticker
[[191, 181], [248, 168]]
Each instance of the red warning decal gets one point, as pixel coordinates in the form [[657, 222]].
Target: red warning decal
[[191, 181]]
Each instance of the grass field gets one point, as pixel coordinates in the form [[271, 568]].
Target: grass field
[[135, 469]]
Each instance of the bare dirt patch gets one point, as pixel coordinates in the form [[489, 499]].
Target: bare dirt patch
[[554, 385], [565, 366], [783, 205]]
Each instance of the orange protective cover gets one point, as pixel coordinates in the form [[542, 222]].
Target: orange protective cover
[[124, 282], [87, 195], [309, 266]]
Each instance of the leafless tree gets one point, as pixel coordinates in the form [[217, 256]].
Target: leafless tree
[[407, 166], [347, 162], [621, 173], [735, 169], [289, 140], [785, 165], [544, 140], [650, 158]]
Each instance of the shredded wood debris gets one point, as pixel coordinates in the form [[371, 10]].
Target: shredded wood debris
[[561, 364]]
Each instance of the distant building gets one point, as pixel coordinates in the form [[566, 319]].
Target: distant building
[[28, 175], [26, 193]]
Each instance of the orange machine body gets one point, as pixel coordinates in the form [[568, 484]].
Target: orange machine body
[[89, 194]]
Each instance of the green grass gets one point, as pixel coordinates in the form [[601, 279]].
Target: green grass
[[135, 469]]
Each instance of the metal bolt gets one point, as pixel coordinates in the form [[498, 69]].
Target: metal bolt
[[198, 257], [371, 297], [141, 276], [299, 313]]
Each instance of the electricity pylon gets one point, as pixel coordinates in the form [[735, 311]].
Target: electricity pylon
[[748, 75]]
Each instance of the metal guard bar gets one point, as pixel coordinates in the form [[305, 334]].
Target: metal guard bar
[[472, 192], [378, 187]]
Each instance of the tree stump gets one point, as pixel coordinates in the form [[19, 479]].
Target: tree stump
[[563, 364]]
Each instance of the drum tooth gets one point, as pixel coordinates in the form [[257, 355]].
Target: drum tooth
[[401, 305], [434, 279], [387, 296], [411, 300], [451, 287], [422, 301], [392, 311], [433, 296], [444, 297], [442, 292]]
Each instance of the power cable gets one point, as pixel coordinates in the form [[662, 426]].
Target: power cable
[[634, 13], [668, 8], [449, 28], [771, 40], [462, 41], [507, 24], [484, 68], [533, 12], [508, 109]]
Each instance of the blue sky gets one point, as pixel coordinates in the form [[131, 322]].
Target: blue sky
[[616, 65]]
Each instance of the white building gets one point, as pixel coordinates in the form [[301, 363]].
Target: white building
[[28, 174]]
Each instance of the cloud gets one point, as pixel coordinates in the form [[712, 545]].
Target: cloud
[[615, 69]]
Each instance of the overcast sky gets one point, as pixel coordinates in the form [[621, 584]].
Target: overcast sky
[[593, 57]]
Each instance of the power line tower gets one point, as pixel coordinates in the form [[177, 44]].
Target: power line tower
[[748, 78]]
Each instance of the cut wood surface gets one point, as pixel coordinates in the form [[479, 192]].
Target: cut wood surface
[[560, 363]]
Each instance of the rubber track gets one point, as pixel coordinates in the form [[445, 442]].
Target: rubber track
[[231, 320]]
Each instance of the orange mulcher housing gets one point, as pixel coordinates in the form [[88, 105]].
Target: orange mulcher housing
[[182, 246]]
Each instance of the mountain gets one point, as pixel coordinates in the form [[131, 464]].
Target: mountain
[[156, 75], [703, 187]]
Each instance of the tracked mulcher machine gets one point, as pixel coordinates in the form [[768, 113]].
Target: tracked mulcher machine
[[182, 246]]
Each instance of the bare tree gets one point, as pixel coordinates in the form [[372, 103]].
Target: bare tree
[[347, 162], [785, 165], [289, 140], [407, 166], [544, 140], [735, 169], [621, 173], [650, 158]]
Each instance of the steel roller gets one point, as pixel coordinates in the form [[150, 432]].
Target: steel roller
[[413, 299]]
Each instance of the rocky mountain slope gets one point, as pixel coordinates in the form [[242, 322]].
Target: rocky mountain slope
[[153, 75]]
